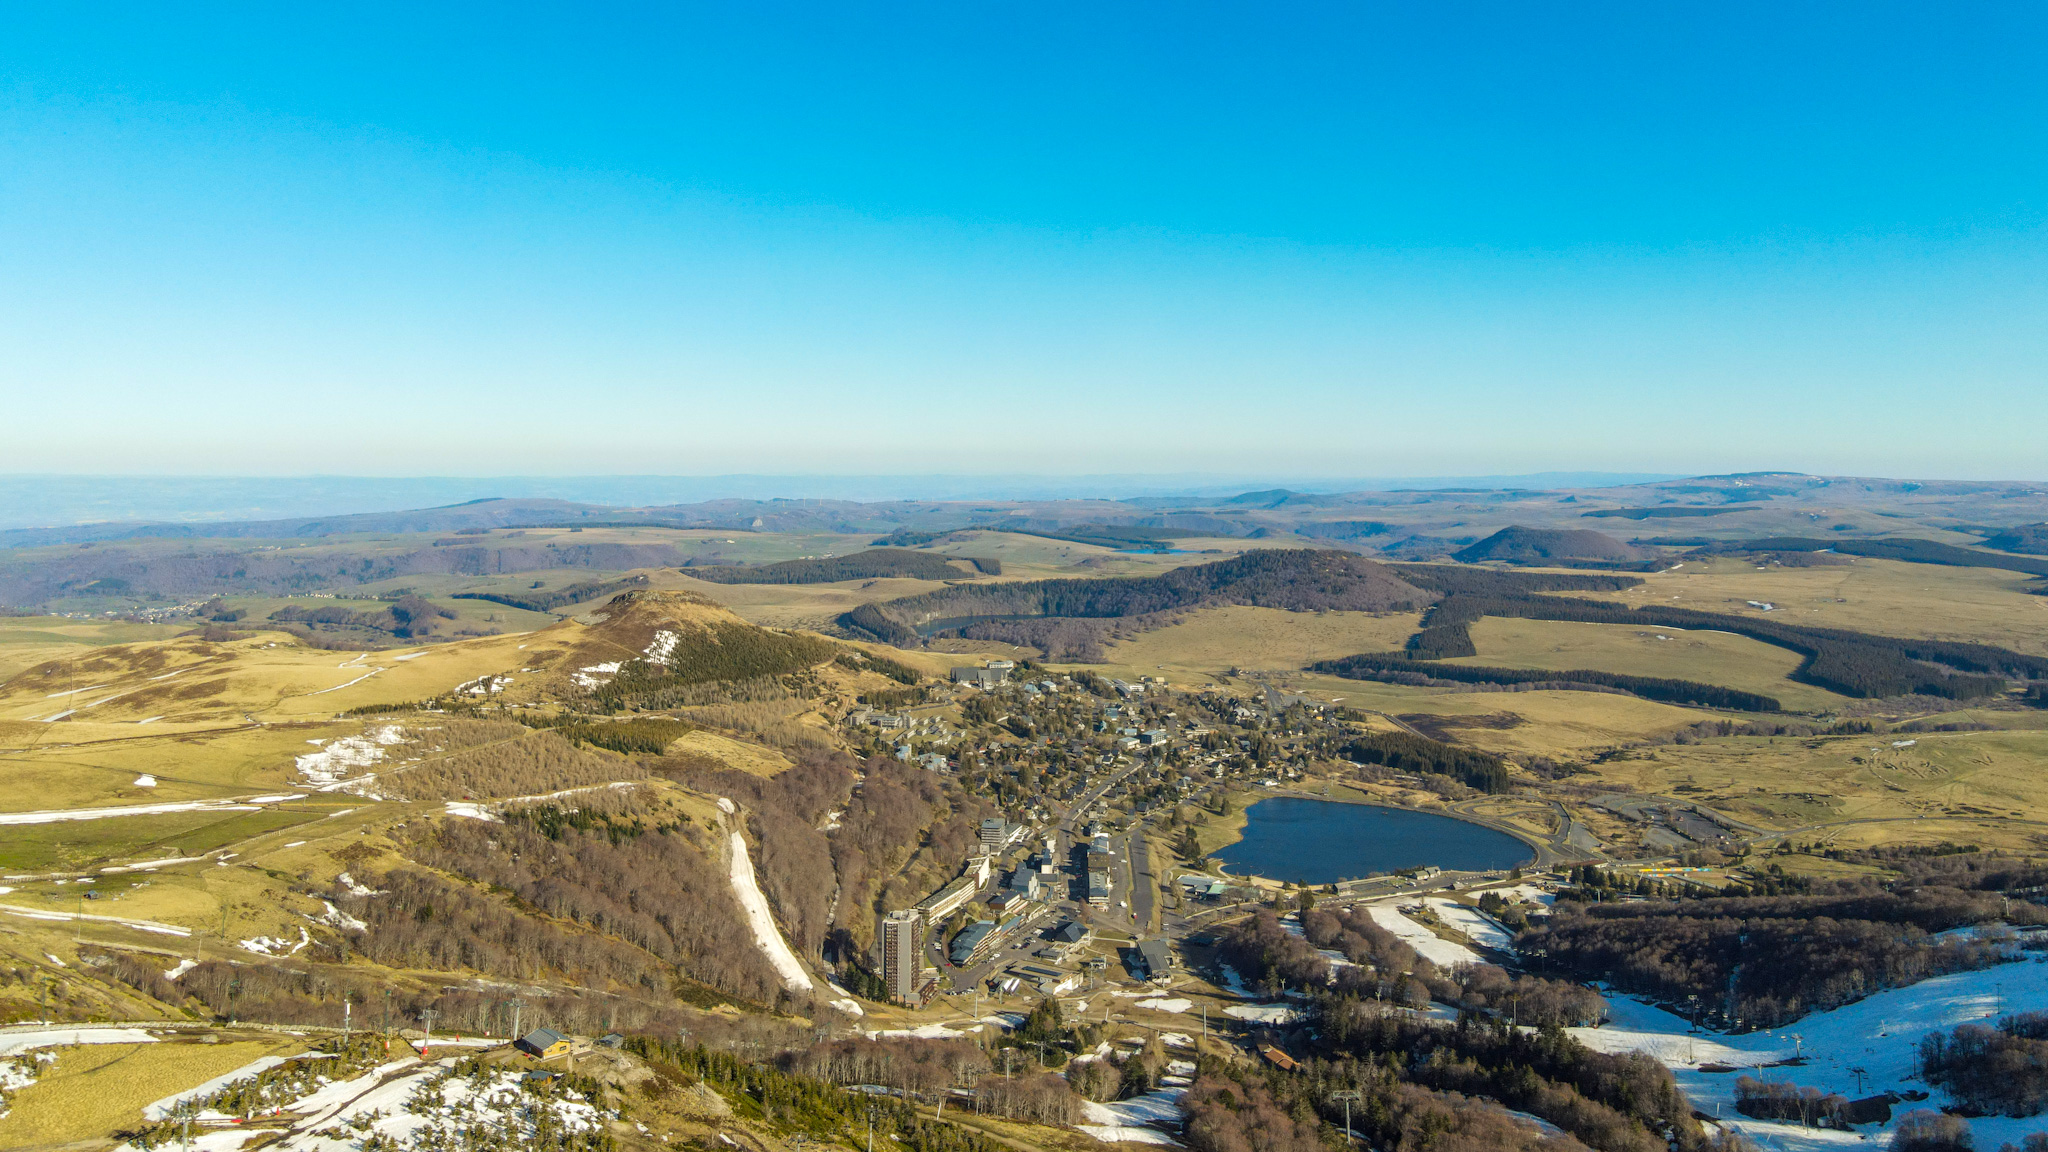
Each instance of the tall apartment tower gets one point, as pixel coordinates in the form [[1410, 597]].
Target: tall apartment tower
[[899, 937]]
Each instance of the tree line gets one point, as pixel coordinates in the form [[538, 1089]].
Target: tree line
[[1303, 579], [1852, 663], [1908, 551], [408, 617], [874, 563], [1764, 961], [1387, 665], [1992, 1071], [791, 1099], [1402, 752]]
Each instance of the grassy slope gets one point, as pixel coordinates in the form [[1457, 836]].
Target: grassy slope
[[1985, 787], [1215, 639], [1708, 657], [97, 1090], [1979, 605], [30, 640]]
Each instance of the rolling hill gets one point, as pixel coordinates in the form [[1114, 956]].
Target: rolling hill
[[1518, 545]]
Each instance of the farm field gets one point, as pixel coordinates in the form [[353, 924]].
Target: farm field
[[1888, 597], [1558, 724], [1211, 640], [1709, 657]]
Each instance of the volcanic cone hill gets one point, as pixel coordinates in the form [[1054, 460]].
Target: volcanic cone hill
[[1518, 545]]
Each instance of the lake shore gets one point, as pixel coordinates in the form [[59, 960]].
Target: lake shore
[[1468, 854]]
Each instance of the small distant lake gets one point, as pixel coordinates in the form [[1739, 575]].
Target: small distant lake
[[1323, 841]]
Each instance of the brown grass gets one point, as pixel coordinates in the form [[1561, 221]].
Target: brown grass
[[96, 1090]]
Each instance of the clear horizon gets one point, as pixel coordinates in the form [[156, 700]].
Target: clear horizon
[[1328, 240]]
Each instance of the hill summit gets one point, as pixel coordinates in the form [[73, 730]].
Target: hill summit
[[649, 639], [1518, 545]]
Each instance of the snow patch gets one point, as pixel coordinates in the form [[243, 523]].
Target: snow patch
[[1879, 1034], [15, 1043], [349, 885], [1429, 945], [1157, 1004], [1473, 923], [663, 647], [275, 946], [332, 768], [922, 1032], [339, 919], [63, 815], [145, 781], [1263, 1013], [1133, 1121], [766, 934]]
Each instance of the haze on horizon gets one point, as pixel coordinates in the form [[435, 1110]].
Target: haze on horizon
[[1313, 241]]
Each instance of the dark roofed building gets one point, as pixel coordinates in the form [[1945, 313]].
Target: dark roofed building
[[971, 941], [543, 1044], [1155, 958]]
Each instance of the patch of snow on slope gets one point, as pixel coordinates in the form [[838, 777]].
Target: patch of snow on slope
[[594, 675], [1879, 1034], [1473, 923], [1138, 1120], [65, 815], [1235, 985], [1433, 948], [766, 934], [330, 769], [275, 945], [408, 1106], [353, 888], [340, 919], [1263, 1013], [663, 647], [923, 1032], [15, 1043]]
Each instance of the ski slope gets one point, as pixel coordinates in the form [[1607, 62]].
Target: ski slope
[[1879, 1035]]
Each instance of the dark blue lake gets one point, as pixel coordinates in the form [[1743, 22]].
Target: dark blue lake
[[1322, 841]]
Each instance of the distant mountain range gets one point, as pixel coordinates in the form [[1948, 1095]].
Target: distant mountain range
[[43, 501]]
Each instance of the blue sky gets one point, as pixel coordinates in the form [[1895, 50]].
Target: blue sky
[[1358, 240]]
